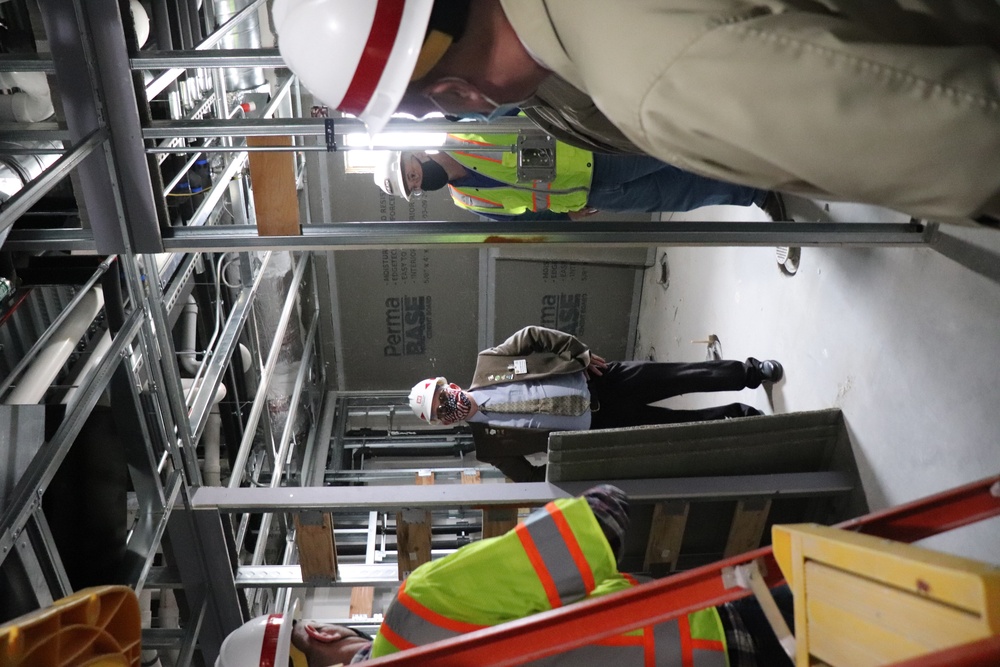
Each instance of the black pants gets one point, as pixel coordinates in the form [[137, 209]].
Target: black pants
[[621, 395]]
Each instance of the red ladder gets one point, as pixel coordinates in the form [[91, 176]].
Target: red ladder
[[582, 623]]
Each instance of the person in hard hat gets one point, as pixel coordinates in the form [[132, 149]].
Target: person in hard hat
[[891, 103], [487, 183], [542, 380], [562, 553]]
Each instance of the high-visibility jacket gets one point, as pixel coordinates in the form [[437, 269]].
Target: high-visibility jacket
[[556, 557], [568, 192]]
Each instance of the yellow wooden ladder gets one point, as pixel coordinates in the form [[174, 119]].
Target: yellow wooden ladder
[[862, 600]]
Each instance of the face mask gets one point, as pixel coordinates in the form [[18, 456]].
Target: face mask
[[453, 405], [435, 177]]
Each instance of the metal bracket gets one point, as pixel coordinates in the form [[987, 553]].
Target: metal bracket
[[536, 158]]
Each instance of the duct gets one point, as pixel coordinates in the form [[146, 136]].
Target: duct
[[29, 99], [19, 164], [270, 302], [35, 381], [245, 35]]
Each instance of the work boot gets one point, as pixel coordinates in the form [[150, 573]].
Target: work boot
[[774, 205], [771, 370], [757, 372]]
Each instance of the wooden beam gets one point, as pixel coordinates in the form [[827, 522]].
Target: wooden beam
[[317, 549], [747, 528], [424, 478], [362, 601], [413, 540], [275, 199], [498, 520], [471, 476], [666, 534]]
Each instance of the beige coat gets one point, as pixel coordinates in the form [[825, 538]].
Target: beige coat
[[546, 352], [891, 102]]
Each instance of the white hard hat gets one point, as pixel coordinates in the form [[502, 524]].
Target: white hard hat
[[265, 640], [355, 55], [422, 398], [388, 175]]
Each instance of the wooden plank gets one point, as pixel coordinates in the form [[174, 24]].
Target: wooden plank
[[275, 198], [471, 476], [362, 601], [424, 478], [413, 540], [747, 528], [498, 520], [666, 534], [317, 549]]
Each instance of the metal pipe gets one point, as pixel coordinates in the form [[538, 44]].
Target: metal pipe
[[634, 233], [323, 149], [29, 489], [201, 57], [228, 340], [316, 127], [56, 323], [236, 475], [13, 208], [157, 85]]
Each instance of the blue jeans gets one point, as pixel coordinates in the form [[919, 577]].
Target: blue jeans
[[642, 183]]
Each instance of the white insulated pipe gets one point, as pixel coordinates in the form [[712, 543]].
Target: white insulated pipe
[[37, 378], [188, 357], [89, 368], [211, 467]]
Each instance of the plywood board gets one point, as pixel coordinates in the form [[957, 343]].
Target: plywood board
[[413, 540], [747, 529], [275, 198], [317, 550], [666, 534]]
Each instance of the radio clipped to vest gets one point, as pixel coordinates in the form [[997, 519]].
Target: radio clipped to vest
[[536, 158]]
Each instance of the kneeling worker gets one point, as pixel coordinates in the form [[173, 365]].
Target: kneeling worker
[[466, 591], [541, 380], [486, 183]]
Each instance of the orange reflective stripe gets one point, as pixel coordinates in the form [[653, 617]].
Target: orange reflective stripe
[[488, 202], [432, 616], [574, 547], [393, 638], [544, 578], [649, 646], [479, 156], [623, 640], [706, 644], [466, 140], [687, 650]]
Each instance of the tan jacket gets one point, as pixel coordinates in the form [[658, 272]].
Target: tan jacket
[[891, 102], [546, 352]]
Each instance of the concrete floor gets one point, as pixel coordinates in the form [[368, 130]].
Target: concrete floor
[[905, 341]]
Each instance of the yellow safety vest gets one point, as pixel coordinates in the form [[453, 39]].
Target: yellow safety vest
[[556, 557], [568, 192]]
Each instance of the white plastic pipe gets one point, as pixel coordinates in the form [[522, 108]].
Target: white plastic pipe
[[33, 101], [211, 468], [89, 368], [189, 327], [37, 378]]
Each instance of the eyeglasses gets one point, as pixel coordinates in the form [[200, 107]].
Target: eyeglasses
[[442, 394]]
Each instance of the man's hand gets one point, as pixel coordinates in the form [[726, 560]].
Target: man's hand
[[597, 365], [584, 212]]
